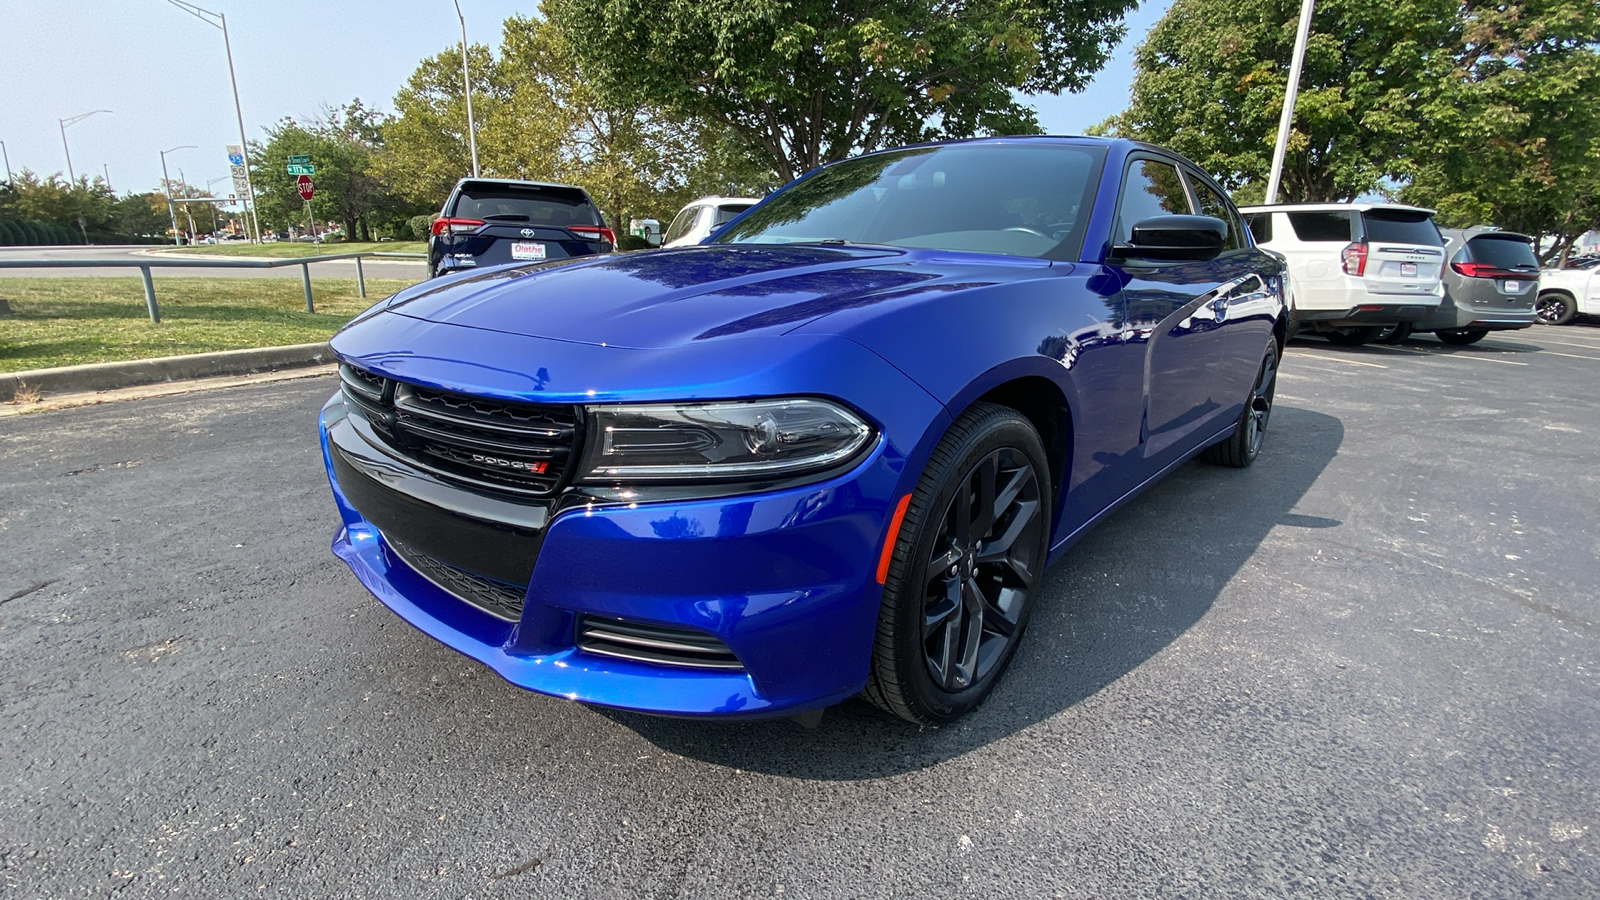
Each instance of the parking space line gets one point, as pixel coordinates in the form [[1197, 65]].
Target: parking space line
[[1569, 344], [1570, 355], [1353, 362]]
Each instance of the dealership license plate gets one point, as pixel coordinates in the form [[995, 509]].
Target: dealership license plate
[[1408, 269], [527, 250], [1514, 286]]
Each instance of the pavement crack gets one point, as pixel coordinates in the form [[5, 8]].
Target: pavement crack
[[28, 590], [528, 866]]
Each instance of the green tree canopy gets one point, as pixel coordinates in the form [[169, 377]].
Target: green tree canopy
[[803, 82], [1514, 139], [342, 145], [1210, 77]]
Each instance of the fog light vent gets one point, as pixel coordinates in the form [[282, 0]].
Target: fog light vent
[[658, 644]]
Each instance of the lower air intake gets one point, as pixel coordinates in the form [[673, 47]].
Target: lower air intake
[[657, 644], [494, 597]]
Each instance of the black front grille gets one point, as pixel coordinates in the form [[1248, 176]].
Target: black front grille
[[516, 448], [658, 644], [494, 597]]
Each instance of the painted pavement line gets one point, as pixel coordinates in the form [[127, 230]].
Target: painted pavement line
[[1353, 362]]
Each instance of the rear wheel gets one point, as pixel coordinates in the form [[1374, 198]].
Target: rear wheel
[[1555, 308], [1393, 334], [1461, 337], [1241, 448], [1354, 336], [972, 544]]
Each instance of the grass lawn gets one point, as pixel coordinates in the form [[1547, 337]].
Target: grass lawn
[[288, 249], [67, 321]]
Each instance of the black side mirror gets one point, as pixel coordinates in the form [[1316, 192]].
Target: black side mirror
[[1175, 238]]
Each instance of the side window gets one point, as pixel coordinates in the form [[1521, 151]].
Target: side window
[[1211, 204], [1260, 226], [680, 224], [1151, 189], [1322, 226]]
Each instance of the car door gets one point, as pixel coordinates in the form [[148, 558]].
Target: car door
[[1177, 310]]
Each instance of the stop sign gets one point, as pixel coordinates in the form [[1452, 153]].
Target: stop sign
[[304, 186]]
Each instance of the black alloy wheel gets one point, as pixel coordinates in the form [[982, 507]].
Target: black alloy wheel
[[1555, 308], [979, 574], [1461, 337], [971, 546], [1240, 448]]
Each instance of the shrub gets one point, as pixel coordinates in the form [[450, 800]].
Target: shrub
[[9, 235], [628, 242], [421, 226]]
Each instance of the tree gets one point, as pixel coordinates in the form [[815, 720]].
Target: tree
[[803, 82], [1210, 76], [342, 145], [425, 144], [1515, 138], [79, 207]]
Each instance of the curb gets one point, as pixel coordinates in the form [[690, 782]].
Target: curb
[[134, 372]]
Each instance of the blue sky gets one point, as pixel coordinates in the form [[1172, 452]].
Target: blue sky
[[163, 74]]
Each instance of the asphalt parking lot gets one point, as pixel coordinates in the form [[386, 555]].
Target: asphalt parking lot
[[1365, 667]]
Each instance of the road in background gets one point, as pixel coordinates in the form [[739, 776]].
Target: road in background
[[341, 268], [1365, 667]]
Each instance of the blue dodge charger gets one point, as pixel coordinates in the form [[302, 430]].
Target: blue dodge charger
[[828, 452]]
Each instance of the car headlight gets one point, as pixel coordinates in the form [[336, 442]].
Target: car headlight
[[740, 439]]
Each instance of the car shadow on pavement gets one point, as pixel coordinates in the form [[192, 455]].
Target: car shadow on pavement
[[1129, 589]]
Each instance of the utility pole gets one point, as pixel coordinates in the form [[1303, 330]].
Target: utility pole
[[1285, 120], [220, 21], [166, 188], [72, 177], [466, 85]]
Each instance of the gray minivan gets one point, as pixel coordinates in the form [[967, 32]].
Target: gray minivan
[[1490, 284]]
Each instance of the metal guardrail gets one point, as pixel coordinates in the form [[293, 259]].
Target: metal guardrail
[[145, 265]]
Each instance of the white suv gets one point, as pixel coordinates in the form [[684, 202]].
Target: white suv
[[1354, 267], [696, 221]]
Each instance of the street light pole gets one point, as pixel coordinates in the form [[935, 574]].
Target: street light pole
[[1287, 118], [166, 188], [466, 85], [107, 169], [8, 161], [187, 212], [72, 177], [220, 21]]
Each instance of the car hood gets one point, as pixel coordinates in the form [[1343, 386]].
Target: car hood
[[671, 298]]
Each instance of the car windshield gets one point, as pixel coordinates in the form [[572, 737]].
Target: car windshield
[[1011, 199], [551, 206]]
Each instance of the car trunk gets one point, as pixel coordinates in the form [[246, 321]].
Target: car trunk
[[1405, 253], [522, 223]]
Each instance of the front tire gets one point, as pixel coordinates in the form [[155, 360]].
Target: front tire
[[1555, 308], [1241, 448], [1461, 337], [971, 546]]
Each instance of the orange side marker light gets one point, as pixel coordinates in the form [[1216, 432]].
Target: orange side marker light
[[894, 533]]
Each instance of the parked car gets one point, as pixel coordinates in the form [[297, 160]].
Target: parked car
[[695, 222], [494, 221], [829, 452], [1565, 294], [1354, 267], [1490, 285]]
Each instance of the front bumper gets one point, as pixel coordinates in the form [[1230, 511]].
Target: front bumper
[[785, 579]]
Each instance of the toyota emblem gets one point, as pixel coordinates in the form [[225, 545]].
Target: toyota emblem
[[528, 232]]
